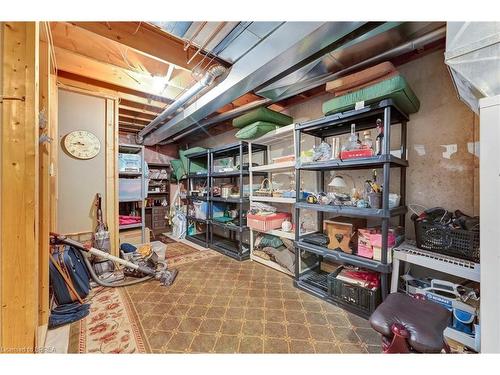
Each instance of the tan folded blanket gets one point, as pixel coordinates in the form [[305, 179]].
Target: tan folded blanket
[[358, 80]]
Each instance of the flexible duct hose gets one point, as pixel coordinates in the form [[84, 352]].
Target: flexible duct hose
[[106, 284]]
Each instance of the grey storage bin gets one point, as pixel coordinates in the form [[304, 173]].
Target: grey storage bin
[[130, 189]]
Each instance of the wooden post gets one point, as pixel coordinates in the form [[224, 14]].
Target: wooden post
[[112, 172], [44, 193], [19, 189]]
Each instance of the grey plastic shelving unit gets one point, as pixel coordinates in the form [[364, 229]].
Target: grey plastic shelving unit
[[202, 239], [232, 245], [311, 280]]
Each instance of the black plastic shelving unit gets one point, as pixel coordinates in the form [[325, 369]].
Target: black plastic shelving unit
[[201, 239], [335, 125], [233, 245]]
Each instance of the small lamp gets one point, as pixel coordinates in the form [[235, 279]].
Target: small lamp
[[339, 185], [337, 182]]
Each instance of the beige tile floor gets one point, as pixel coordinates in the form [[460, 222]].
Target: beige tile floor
[[219, 305]]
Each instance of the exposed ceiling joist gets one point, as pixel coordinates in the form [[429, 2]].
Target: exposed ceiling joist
[[76, 39], [132, 120], [139, 107], [87, 67], [132, 97], [147, 39], [134, 114]]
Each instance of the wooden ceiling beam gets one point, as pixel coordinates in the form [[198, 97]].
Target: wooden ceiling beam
[[84, 66], [148, 39], [135, 114], [131, 97], [133, 118], [139, 108], [125, 130], [132, 121], [76, 39]]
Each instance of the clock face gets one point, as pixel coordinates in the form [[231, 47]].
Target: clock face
[[82, 144]]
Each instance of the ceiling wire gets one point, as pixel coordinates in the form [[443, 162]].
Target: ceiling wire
[[52, 47], [138, 27]]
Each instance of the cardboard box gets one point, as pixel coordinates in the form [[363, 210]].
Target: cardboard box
[[134, 236]]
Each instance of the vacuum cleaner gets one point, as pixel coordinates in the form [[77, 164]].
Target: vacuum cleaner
[[160, 272]]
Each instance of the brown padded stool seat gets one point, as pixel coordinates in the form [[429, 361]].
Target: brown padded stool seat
[[425, 321]]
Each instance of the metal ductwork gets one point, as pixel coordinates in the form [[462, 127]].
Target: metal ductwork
[[409, 46], [290, 47], [473, 58], [206, 81]]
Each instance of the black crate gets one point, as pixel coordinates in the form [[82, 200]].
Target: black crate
[[459, 243], [362, 299], [316, 278]]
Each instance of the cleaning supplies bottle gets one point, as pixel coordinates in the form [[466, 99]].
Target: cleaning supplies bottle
[[379, 141], [367, 140], [352, 142]]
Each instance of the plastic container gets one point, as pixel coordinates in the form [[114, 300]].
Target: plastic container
[[265, 223], [394, 200], [362, 299], [130, 189], [159, 248], [375, 200], [459, 243], [129, 163], [200, 210]]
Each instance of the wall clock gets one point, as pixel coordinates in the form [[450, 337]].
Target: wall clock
[[82, 144]]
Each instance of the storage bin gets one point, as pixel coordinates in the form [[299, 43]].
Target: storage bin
[[264, 223], [159, 248], [459, 243], [200, 210], [130, 189], [363, 299], [129, 163], [365, 248], [376, 241]]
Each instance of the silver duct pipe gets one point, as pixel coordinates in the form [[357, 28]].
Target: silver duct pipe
[[394, 52], [206, 81], [409, 46]]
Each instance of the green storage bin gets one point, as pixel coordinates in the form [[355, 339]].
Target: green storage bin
[[178, 169], [261, 114], [197, 165], [255, 130], [395, 88]]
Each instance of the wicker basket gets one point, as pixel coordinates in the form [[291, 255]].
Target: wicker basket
[[263, 190]]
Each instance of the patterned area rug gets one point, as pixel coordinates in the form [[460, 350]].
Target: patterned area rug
[[219, 305], [112, 325]]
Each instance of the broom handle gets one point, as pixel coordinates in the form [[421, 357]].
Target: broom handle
[[69, 283], [103, 254]]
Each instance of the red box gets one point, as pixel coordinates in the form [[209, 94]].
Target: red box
[[264, 223], [353, 154]]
